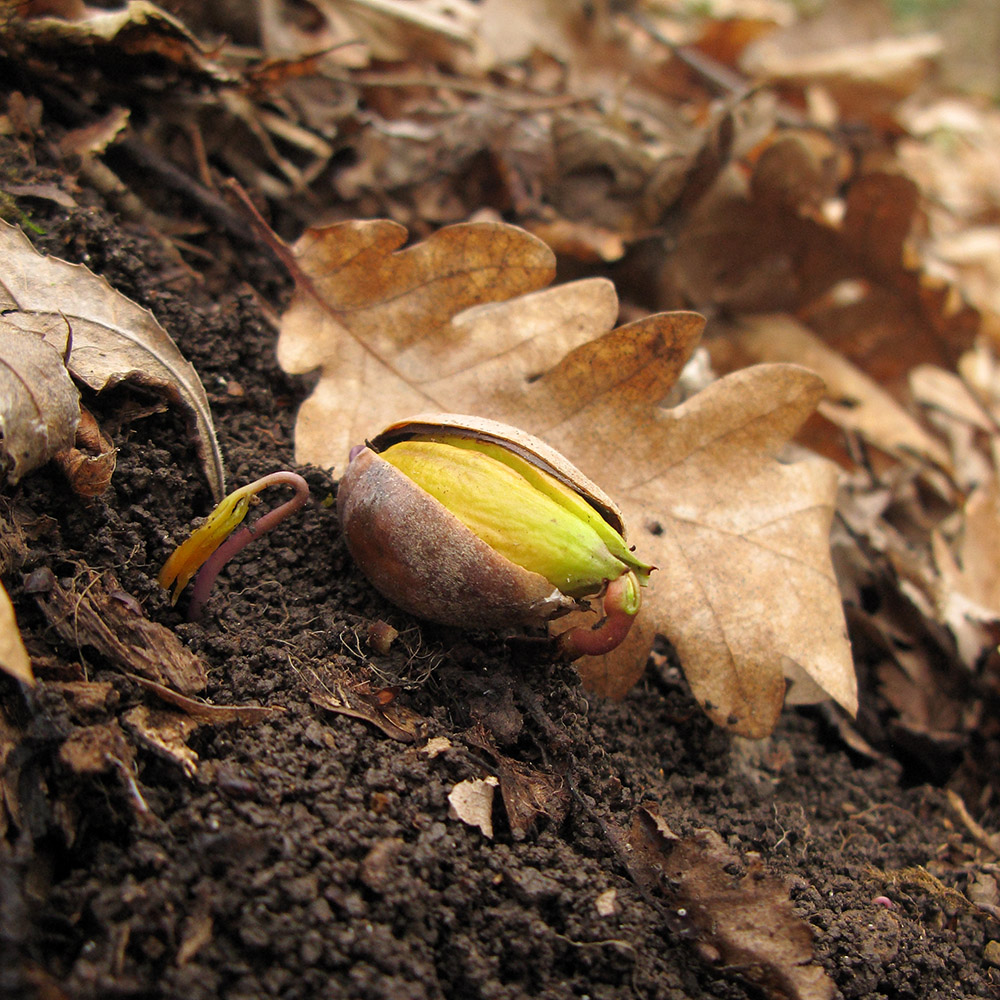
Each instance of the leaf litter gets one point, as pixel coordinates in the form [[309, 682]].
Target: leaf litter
[[764, 206]]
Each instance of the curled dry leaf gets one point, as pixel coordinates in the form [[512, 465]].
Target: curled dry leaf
[[112, 339], [744, 589], [90, 463], [137, 28], [39, 405]]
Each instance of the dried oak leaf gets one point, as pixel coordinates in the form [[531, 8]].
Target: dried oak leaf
[[111, 339], [39, 405], [744, 589]]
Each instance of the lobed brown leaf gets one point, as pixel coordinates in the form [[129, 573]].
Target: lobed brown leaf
[[744, 586]]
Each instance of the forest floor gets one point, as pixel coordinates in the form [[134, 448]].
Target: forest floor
[[293, 832], [310, 854]]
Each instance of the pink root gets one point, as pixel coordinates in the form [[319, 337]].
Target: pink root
[[621, 604]]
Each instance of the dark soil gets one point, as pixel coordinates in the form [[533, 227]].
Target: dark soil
[[311, 855]]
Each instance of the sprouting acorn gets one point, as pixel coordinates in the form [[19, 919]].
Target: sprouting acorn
[[472, 523]]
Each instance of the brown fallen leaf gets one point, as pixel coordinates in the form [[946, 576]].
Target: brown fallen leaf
[[378, 323], [39, 405], [139, 28], [853, 401], [969, 579], [166, 732], [744, 588], [14, 659], [95, 612], [851, 51], [111, 339], [744, 922], [851, 273], [205, 711], [358, 702], [395, 29]]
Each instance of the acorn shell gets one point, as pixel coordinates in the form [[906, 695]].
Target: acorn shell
[[423, 559], [527, 446]]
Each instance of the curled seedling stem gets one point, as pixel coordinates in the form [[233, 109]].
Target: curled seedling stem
[[208, 548], [622, 600]]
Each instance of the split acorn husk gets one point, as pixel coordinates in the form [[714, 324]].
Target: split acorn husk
[[469, 522]]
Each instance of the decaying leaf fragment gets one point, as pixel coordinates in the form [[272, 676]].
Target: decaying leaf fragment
[[207, 713], [165, 733], [94, 749], [471, 801], [39, 405], [95, 612], [744, 921], [744, 588], [357, 701], [111, 339], [528, 793], [138, 27], [90, 463]]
